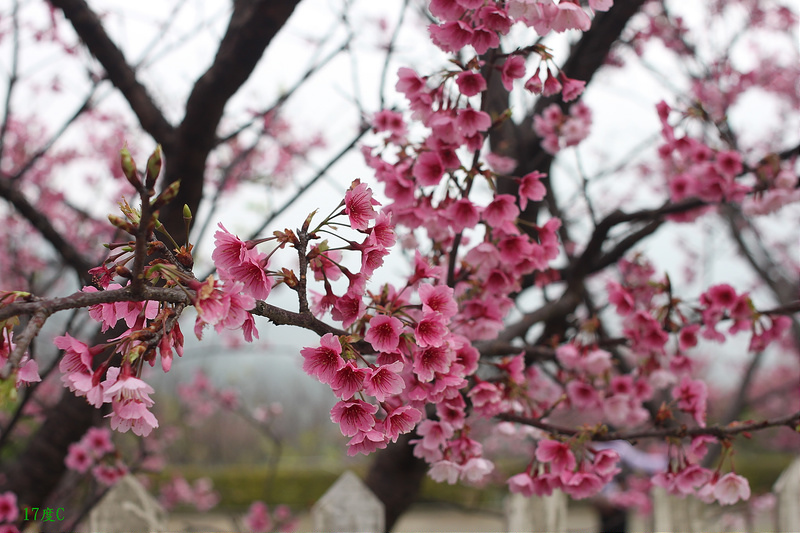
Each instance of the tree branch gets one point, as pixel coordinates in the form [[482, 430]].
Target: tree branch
[[252, 26], [90, 30], [43, 225], [601, 433]]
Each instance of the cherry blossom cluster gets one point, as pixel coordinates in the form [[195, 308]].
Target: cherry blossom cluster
[[685, 476], [555, 467], [653, 316], [422, 332], [96, 452], [260, 519], [558, 130], [178, 490]]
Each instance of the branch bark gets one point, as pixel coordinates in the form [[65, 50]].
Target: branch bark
[[91, 31]]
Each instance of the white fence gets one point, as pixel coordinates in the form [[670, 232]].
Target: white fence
[[670, 513], [349, 506]]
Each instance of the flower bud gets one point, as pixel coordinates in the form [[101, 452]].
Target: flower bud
[[129, 168], [167, 195], [122, 224], [153, 168]]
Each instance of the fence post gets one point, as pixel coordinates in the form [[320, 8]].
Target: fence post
[[535, 514], [127, 507], [672, 514], [348, 506], [787, 490]]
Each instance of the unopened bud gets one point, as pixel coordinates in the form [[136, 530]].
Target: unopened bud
[[153, 168], [122, 224], [122, 270], [167, 195], [129, 168], [187, 213]]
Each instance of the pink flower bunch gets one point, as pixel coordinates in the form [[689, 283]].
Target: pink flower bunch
[[239, 261], [109, 314], [77, 368], [97, 452], [202, 399], [224, 306], [545, 16], [130, 402], [685, 477], [260, 520], [556, 467], [693, 169], [178, 491], [559, 131]]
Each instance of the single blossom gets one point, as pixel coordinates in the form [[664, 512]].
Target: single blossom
[[731, 488], [323, 362], [353, 416], [359, 205], [384, 333]]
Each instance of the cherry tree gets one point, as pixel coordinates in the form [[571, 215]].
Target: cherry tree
[[534, 299]]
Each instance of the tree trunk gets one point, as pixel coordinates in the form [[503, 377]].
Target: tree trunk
[[395, 476]]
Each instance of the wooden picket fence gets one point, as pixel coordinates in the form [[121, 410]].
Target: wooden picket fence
[[349, 506]]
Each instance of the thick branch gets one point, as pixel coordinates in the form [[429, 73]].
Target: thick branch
[[252, 27], [89, 28], [87, 299]]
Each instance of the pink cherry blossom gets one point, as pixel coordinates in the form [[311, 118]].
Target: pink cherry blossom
[[431, 360], [531, 188], [731, 488], [571, 89], [570, 17], [258, 519], [323, 362], [445, 470], [521, 484], [353, 416], [557, 454], [431, 330], [9, 509], [78, 458], [580, 485], [401, 420], [476, 469], [348, 380], [366, 442], [109, 475], [384, 333], [359, 205], [428, 169], [513, 69], [384, 381], [470, 121], [691, 396], [98, 441], [130, 401], [451, 36], [470, 83]]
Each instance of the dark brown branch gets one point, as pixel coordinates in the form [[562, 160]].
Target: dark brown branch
[[600, 434], [89, 28], [43, 225], [87, 299], [252, 27]]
